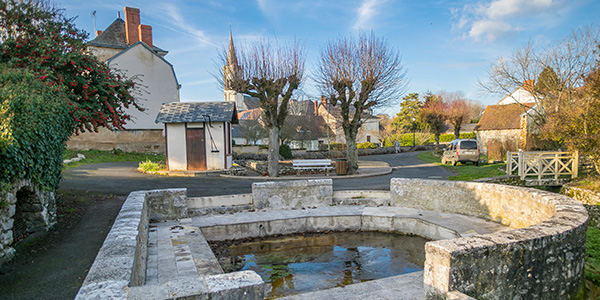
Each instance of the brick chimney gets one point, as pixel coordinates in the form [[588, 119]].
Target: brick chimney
[[146, 34], [324, 100], [98, 32], [132, 24], [528, 84]]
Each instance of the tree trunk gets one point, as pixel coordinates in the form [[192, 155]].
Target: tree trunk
[[437, 139], [273, 157], [351, 154], [457, 132]]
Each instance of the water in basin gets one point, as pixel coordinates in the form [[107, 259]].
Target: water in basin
[[299, 263]]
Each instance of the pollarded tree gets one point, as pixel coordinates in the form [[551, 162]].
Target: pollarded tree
[[38, 37], [433, 115], [270, 72], [359, 75]]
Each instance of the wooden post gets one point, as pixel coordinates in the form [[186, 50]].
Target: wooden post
[[508, 163], [575, 167]]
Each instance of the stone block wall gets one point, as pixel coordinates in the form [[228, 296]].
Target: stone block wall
[[24, 208], [292, 194], [119, 270], [543, 258], [149, 140]]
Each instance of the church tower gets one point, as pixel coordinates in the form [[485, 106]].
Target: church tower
[[230, 71]]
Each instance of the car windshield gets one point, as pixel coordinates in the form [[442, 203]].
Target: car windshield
[[468, 145]]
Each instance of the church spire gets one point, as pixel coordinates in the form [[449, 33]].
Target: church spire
[[232, 69], [231, 57]]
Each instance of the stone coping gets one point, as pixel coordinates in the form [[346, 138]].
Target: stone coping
[[542, 257]]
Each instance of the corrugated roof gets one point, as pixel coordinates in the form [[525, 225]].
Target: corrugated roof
[[500, 117], [189, 112]]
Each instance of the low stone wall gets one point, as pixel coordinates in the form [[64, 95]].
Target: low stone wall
[[149, 140], [292, 194], [543, 258], [119, 270]]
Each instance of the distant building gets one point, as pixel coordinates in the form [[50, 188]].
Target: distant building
[[198, 135], [368, 132], [509, 121], [127, 46]]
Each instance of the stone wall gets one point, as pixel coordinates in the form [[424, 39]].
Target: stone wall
[[293, 194], [126, 140], [543, 258], [23, 209], [119, 270]]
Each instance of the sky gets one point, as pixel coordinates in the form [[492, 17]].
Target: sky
[[445, 45]]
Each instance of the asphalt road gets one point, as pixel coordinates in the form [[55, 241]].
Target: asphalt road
[[53, 265], [121, 178]]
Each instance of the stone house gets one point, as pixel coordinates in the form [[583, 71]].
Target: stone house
[[368, 132], [127, 46], [509, 121], [198, 135]]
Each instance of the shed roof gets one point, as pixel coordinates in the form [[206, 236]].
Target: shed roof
[[501, 117], [189, 112]]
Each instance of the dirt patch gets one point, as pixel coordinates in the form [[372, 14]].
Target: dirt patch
[[53, 264]]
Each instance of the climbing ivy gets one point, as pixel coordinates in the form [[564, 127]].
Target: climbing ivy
[[35, 123]]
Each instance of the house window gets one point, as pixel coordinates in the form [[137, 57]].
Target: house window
[[368, 138]]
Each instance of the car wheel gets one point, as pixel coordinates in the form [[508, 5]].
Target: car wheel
[[454, 162]]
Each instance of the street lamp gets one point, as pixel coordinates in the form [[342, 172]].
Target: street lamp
[[413, 128]]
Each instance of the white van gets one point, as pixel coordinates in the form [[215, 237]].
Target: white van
[[462, 151]]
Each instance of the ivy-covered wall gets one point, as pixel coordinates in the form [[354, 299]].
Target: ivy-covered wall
[[35, 123]]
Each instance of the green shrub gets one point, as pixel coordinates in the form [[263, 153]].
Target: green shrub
[[366, 145], [149, 166], [285, 151], [35, 124]]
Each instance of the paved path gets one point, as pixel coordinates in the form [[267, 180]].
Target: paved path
[[121, 178]]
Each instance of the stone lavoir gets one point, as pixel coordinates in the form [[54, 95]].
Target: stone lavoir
[[489, 241]]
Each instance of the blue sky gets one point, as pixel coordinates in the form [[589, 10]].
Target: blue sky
[[445, 45]]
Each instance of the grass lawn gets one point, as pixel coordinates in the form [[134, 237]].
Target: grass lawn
[[97, 156], [466, 172]]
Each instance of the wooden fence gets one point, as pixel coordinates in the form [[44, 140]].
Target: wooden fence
[[542, 164]]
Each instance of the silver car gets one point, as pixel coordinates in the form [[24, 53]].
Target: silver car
[[462, 151]]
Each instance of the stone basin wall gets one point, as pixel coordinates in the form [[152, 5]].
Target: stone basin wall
[[542, 258]]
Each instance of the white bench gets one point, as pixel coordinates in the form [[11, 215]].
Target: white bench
[[308, 164]]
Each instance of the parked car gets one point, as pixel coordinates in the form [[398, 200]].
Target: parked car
[[463, 151]]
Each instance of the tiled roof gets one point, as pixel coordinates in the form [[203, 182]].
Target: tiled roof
[[498, 117], [251, 114], [114, 37], [188, 112]]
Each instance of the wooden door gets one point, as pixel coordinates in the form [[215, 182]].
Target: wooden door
[[196, 149]]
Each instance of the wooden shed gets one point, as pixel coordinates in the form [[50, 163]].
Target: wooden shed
[[198, 134]]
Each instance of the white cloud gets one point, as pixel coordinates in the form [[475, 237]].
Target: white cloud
[[366, 12], [497, 18], [180, 24]]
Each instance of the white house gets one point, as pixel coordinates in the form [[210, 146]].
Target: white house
[[198, 134], [127, 46]]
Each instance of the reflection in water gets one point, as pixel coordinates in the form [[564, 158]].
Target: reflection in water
[[295, 264]]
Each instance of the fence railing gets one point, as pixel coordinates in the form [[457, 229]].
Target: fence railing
[[542, 164]]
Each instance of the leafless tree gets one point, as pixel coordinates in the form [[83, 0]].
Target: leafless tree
[[571, 59], [252, 131], [270, 72], [359, 75], [457, 109]]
